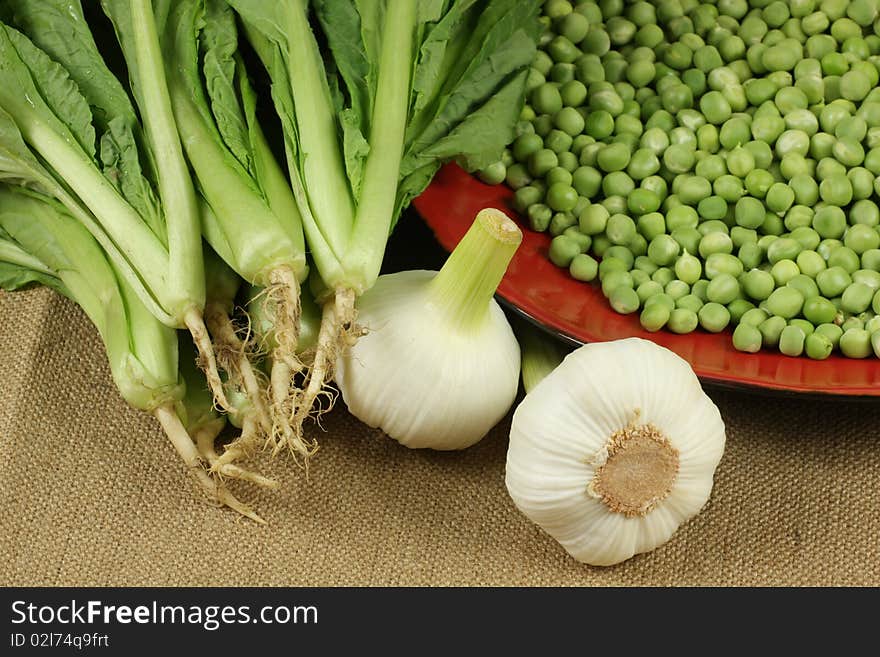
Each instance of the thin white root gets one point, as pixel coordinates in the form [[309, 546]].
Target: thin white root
[[214, 490], [207, 361], [233, 354], [284, 299], [338, 331], [248, 442], [205, 438], [282, 403]]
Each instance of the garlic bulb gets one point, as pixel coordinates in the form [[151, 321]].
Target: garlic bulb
[[614, 449], [439, 364]]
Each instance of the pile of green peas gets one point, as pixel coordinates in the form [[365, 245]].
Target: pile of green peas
[[711, 164]]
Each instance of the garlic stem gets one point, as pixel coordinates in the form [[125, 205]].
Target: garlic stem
[[541, 354], [467, 282]]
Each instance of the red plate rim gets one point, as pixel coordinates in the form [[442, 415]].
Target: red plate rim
[[578, 312]]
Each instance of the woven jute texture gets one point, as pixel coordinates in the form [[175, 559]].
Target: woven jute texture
[[93, 494]]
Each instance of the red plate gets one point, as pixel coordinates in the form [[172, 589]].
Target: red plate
[[578, 312]]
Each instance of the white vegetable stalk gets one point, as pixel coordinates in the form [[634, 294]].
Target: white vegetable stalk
[[439, 364], [614, 449]]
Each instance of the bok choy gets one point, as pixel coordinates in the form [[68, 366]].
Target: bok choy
[[71, 132], [254, 223], [40, 242], [373, 97]]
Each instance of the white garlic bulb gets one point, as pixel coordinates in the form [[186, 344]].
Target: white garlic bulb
[[439, 364], [614, 450]]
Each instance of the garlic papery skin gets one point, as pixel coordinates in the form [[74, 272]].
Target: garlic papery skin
[[614, 450], [439, 365]]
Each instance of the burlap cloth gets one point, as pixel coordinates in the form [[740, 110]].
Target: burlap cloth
[[94, 495]]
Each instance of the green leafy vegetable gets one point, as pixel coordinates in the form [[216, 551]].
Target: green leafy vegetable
[[402, 86]]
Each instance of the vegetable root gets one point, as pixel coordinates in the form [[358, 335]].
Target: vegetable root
[[207, 360], [285, 310], [214, 490], [233, 355], [205, 437], [338, 332]]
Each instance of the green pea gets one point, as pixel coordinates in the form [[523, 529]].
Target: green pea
[[613, 280], [791, 341], [758, 284], [654, 317], [783, 248], [613, 157], [737, 308], [846, 258], [660, 299], [861, 238], [722, 263], [750, 255], [593, 219], [785, 302], [688, 268], [857, 297], [749, 212], [621, 253], [799, 216], [624, 300], [620, 229], [644, 263], [712, 207], [855, 85], [676, 289], [679, 158], [818, 346], [546, 99], [740, 161], [830, 222], [856, 343], [871, 260], [780, 197], [754, 317], [831, 331], [663, 275], [539, 217], [852, 322], [682, 216], [587, 181], [639, 277], [747, 338], [663, 250], [723, 289], [713, 317], [517, 176], [682, 320], [728, 188], [560, 222], [805, 285], [783, 271], [758, 182], [833, 281], [819, 310], [771, 330], [563, 249], [869, 277], [648, 289], [715, 242], [583, 267], [561, 197], [810, 263], [808, 238]]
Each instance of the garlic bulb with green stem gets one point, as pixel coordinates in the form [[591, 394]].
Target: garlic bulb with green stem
[[439, 365], [614, 450]]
